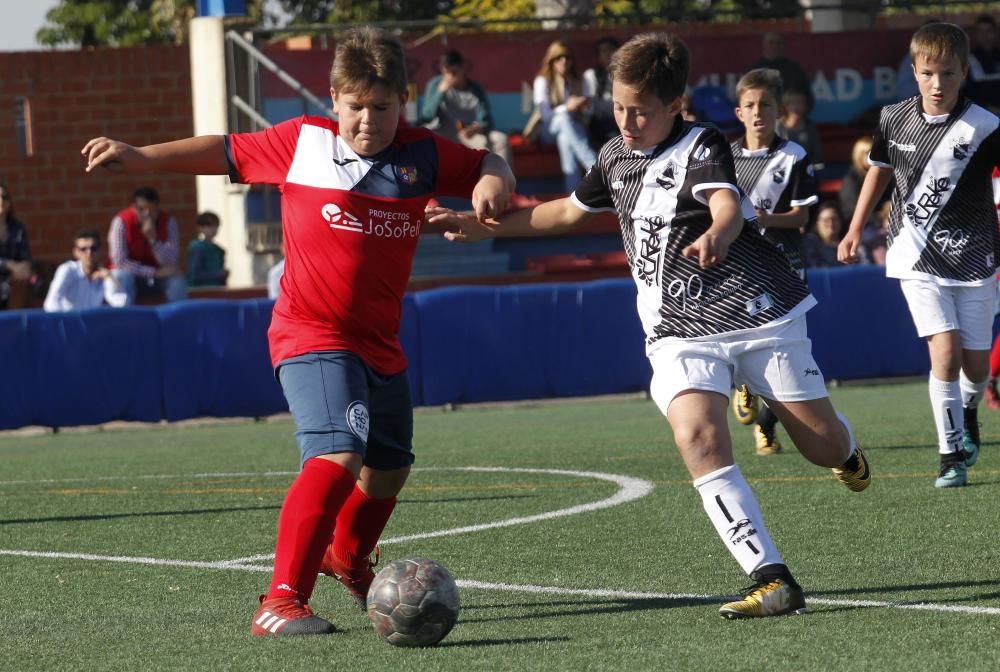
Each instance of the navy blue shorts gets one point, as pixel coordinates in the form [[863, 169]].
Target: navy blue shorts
[[341, 406]]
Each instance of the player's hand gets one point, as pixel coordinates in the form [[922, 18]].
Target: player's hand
[[709, 249], [490, 197], [463, 228], [19, 270], [111, 154], [847, 251]]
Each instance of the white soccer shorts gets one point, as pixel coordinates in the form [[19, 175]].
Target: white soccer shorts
[[963, 308], [775, 361]]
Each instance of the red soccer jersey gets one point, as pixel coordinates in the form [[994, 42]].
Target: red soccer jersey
[[351, 226]]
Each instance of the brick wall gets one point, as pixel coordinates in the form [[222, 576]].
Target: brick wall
[[138, 95]]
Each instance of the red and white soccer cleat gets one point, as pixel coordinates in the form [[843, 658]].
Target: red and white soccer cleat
[[287, 616]]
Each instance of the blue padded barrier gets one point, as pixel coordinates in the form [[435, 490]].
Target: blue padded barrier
[[529, 341], [862, 327], [16, 374], [82, 368], [216, 360]]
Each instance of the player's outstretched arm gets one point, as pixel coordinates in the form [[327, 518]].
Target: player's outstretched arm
[[547, 218], [203, 155], [492, 193], [874, 185], [712, 246]]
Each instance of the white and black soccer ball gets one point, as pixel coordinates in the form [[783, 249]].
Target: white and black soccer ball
[[413, 602]]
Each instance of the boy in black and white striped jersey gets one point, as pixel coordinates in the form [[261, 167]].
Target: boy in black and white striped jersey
[[716, 299], [943, 243], [778, 178]]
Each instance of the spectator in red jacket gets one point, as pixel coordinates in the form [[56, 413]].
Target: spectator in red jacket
[[144, 246]]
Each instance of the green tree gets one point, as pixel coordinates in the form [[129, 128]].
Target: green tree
[[363, 11], [98, 23]]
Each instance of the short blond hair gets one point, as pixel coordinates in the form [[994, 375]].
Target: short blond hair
[[366, 57], [940, 41], [656, 63], [761, 78]]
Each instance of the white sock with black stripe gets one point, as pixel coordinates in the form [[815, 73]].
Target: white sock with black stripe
[[972, 393], [733, 510], [946, 404]]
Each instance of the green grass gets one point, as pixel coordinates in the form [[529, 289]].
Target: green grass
[[164, 493]]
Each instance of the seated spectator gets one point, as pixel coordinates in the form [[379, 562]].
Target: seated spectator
[[458, 108], [562, 108], [144, 246], [793, 76], [850, 185], [206, 265], [597, 87], [984, 64], [796, 126], [15, 254], [819, 246], [83, 282], [875, 239]]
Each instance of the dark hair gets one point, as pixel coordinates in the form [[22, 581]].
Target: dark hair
[[987, 19], [88, 233], [146, 194], [208, 218], [452, 58], [366, 57], [655, 63], [607, 39]]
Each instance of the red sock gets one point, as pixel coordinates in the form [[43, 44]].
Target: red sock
[[995, 358], [305, 524], [359, 526]]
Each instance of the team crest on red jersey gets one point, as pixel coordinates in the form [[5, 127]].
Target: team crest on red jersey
[[407, 174]]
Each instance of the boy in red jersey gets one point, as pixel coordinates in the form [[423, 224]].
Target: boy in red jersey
[[353, 199]]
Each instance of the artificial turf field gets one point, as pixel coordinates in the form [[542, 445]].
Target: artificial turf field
[[574, 532]]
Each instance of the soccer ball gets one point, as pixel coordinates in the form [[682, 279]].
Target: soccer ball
[[413, 602]]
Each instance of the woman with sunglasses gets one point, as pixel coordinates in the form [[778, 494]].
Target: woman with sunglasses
[[563, 109], [15, 255]]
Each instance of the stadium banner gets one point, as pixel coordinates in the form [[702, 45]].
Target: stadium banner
[[851, 71]]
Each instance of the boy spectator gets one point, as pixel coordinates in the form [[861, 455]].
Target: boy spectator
[[793, 76], [714, 297], [459, 109], [984, 64], [82, 282], [144, 246], [206, 264], [775, 174], [943, 242], [795, 125], [354, 193], [597, 87]]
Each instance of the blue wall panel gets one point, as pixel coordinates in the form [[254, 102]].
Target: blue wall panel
[[862, 327], [16, 374], [216, 360], [81, 368]]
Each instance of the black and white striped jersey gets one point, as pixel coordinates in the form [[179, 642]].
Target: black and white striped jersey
[[777, 179], [661, 201], [942, 226]]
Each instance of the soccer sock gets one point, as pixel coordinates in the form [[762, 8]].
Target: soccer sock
[[767, 419], [972, 393], [946, 404], [852, 444], [733, 510], [305, 525], [359, 526]]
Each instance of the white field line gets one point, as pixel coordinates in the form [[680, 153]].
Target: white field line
[[629, 489], [622, 595]]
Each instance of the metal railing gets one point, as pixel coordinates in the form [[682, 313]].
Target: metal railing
[[252, 104]]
